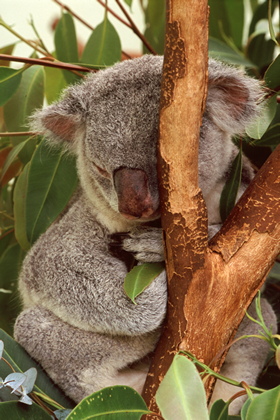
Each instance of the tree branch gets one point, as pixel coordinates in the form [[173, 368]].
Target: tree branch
[[47, 62], [204, 280], [184, 218]]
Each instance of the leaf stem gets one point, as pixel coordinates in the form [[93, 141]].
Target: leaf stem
[[30, 43]]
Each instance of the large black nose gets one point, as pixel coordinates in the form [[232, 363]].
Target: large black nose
[[134, 196]]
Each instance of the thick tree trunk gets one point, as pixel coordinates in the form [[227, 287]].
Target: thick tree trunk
[[204, 281]]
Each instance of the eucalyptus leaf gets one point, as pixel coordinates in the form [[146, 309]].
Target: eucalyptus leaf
[[62, 414], [21, 362], [20, 192], [8, 49], [9, 83], [112, 403], [271, 137], [257, 129], [1, 348], [155, 25], [265, 406], [16, 411], [66, 45], [235, 16], [221, 51], [52, 180], [140, 277], [104, 45], [128, 2], [260, 50], [55, 83], [13, 155], [29, 97], [272, 74], [181, 394], [230, 190], [10, 263], [219, 410]]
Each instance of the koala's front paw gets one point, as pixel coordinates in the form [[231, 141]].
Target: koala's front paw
[[145, 243]]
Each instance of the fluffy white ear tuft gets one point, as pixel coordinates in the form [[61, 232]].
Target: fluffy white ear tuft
[[233, 98], [63, 121]]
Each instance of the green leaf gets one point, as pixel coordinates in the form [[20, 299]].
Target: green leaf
[[271, 137], [155, 25], [8, 49], [29, 97], [235, 15], [10, 263], [128, 2], [140, 277], [259, 126], [265, 406], [20, 193], [5, 239], [221, 51], [219, 410], [103, 46], [270, 23], [55, 83], [112, 403], [230, 190], [66, 44], [260, 51], [52, 180], [181, 394], [17, 411], [272, 74], [14, 154], [9, 83], [218, 16], [21, 362]]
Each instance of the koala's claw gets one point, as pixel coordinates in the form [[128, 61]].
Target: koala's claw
[[144, 243]]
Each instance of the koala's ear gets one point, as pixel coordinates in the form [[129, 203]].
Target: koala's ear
[[61, 122], [233, 98]]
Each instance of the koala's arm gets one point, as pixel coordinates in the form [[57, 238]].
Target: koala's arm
[[71, 272]]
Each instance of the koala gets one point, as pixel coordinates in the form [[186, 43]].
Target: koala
[[76, 319]]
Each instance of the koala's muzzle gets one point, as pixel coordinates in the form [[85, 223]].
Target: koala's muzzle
[[134, 196]]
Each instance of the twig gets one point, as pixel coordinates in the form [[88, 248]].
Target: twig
[[135, 29], [19, 133], [35, 47], [38, 36], [74, 14], [114, 14], [46, 62]]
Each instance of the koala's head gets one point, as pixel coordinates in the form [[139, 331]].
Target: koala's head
[[110, 122]]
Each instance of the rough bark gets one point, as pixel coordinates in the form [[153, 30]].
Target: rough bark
[[204, 281]]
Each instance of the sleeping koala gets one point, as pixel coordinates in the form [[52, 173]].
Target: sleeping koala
[[77, 321]]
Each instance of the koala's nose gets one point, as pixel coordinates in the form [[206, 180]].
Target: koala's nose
[[134, 196]]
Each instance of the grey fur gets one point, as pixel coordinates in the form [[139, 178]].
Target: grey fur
[[77, 321]]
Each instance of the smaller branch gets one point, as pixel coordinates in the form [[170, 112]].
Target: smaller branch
[[135, 29], [19, 133], [74, 14], [114, 14], [32, 24], [31, 45], [46, 62]]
